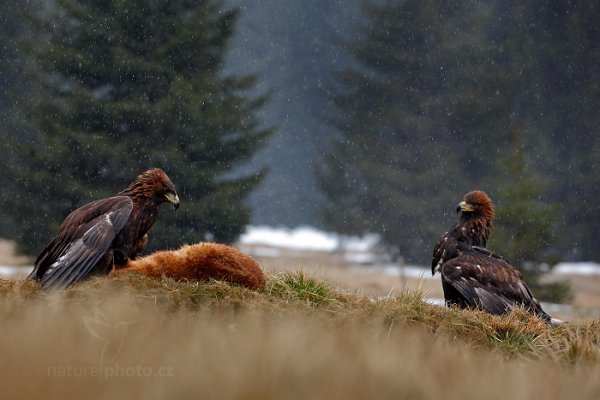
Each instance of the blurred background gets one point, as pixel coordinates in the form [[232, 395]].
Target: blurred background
[[354, 117]]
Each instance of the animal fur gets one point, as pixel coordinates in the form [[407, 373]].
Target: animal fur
[[201, 261]]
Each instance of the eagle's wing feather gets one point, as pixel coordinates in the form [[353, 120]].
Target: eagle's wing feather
[[488, 282], [444, 250], [487, 252], [72, 260]]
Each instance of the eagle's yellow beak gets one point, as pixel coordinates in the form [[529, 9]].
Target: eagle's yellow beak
[[173, 199], [463, 206]]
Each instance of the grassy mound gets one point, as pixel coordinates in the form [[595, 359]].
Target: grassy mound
[[297, 338]]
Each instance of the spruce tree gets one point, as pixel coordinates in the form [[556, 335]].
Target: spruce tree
[[14, 128], [394, 169], [574, 93], [125, 85], [428, 110], [525, 230]]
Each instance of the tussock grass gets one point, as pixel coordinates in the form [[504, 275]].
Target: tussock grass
[[297, 338], [298, 286]]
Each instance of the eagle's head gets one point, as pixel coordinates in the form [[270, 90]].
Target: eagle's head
[[154, 183], [476, 204]]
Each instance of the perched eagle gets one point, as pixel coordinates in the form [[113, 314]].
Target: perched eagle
[[86, 239], [200, 261], [472, 275]]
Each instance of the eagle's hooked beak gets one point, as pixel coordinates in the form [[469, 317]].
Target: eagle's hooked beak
[[463, 206], [173, 199]]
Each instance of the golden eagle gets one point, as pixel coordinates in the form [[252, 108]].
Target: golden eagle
[[472, 275], [86, 239]]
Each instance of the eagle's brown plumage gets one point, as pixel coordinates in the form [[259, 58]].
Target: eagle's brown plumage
[[201, 261], [86, 239], [472, 275], [473, 228]]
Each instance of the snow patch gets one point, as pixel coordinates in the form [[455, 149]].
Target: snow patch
[[306, 238], [407, 271], [10, 272], [577, 268]]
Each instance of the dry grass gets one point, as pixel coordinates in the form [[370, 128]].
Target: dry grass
[[299, 338]]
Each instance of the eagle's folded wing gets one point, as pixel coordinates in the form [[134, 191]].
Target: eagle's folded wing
[[77, 258]]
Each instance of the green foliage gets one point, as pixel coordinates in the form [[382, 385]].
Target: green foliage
[[513, 342], [394, 169], [124, 85], [525, 231], [559, 292], [431, 106], [300, 286], [525, 225], [13, 83]]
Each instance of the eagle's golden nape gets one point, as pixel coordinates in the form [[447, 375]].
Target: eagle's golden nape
[[473, 276], [473, 228], [89, 236]]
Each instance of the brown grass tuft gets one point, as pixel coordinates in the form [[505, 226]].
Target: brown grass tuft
[[135, 336]]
